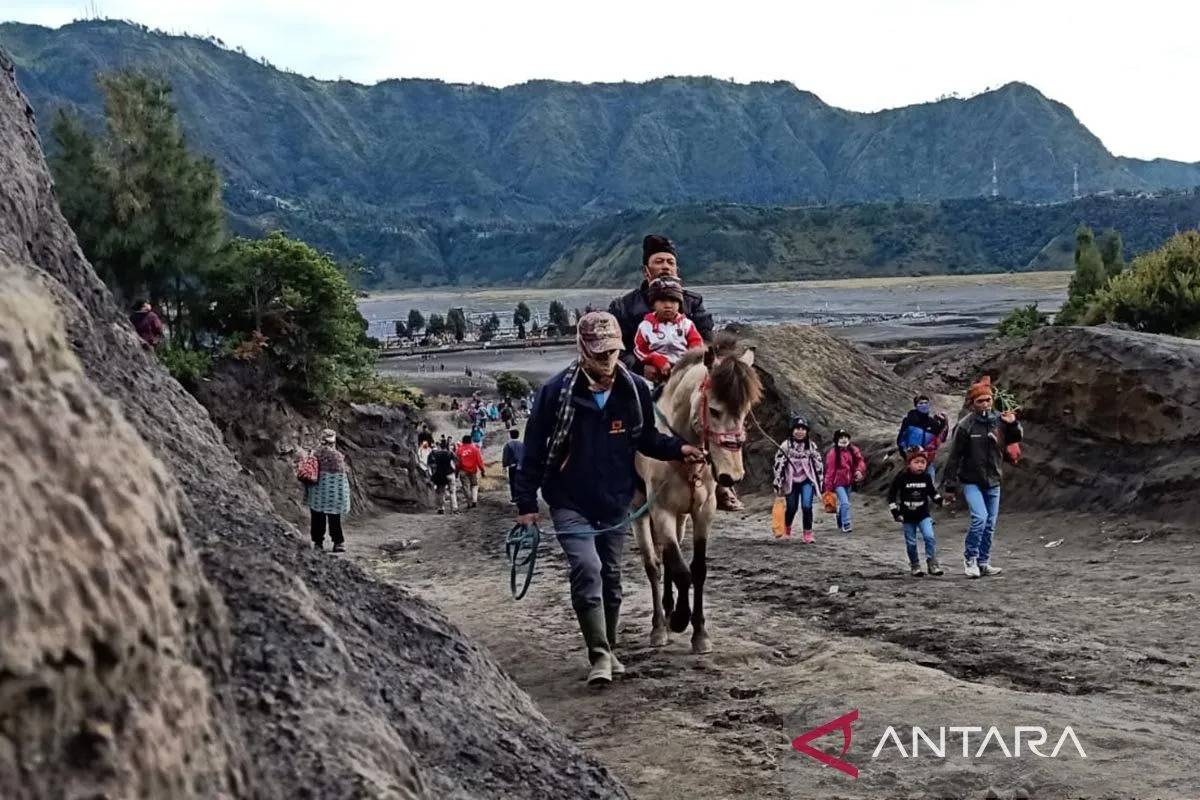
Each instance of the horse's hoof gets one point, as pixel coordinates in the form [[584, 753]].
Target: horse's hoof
[[659, 637], [681, 617], [701, 645]]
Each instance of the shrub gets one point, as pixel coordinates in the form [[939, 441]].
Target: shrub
[[1158, 293], [1022, 321], [189, 367], [510, 384]]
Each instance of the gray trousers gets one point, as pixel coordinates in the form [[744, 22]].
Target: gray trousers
[[595, 561]]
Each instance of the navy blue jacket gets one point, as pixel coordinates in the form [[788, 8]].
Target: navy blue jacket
[[597, 477]]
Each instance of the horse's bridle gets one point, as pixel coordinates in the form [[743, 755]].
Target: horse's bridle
[[732, 441]]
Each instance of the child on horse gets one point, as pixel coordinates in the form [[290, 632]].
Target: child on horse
[[664, 334], [909, 497], [845, 468]]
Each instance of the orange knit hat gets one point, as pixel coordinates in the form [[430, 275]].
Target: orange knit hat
[[982, 388]]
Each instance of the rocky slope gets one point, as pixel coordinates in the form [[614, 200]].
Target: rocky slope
[[267, 435], [829, 381], [1111, 416], [256, 668]]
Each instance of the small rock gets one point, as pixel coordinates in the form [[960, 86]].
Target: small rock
[[833, 589]]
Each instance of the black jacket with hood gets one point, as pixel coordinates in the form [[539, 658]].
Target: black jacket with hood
[[630, 309]]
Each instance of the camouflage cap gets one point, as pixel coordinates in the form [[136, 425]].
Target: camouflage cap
[[600, 332]]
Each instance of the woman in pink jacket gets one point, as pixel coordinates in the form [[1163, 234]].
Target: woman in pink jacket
[[845, 468]]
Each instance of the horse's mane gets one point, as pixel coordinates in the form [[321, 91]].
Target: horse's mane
[[735, 384]]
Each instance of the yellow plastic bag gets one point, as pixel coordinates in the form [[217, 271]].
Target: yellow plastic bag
[[778, 516]]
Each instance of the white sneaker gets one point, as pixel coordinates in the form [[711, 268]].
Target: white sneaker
[[988, 569], [971, 568]]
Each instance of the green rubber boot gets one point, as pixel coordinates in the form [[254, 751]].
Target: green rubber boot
[[591, 624], [612, 615]]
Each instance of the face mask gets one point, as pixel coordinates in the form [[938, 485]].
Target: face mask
[[843, 443], [600, 368], [923, 408]]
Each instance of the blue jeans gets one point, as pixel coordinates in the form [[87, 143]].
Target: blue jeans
[[984, 504], [801, 496], [843, 495], [925, 527]]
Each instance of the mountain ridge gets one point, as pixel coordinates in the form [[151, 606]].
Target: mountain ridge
[[358, 169]]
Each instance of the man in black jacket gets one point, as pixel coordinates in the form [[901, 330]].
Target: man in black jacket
[[658, 260], [587, 424], [976, 456]]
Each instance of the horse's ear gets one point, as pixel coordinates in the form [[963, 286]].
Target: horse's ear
[[747, 357], [710, 356]]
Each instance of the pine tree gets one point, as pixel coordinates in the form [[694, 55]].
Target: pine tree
[[1088, 279], [416, 320], [1112, 253], [147, 211]]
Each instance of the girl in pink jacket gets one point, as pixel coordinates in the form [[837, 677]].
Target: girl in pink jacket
[[845, 467]]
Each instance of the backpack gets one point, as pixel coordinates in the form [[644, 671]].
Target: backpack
[[469, 459], [308, 469]]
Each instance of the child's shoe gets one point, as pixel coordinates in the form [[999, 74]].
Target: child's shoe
[[915, 569], [934, 567], [808, 537]]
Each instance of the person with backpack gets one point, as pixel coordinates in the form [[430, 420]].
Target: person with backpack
[[588, 424], [328, 497], [845, 468], [471, 467], [977, 453], [924, 429], [798, 472], [148, 325], [441, 472], [909, 497], [510, 460]]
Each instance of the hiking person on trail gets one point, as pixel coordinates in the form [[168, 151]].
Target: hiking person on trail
[[510, 460], [924, 429], [976, 455], [798, 472], [424, 449], [845, 468], [909, 496], [507, 414], [588, 423], [441, 471], [470, 466], [328, 499], [476, 435], [147, 324], [665, 333]]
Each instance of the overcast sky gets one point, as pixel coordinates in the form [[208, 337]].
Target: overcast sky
[[1130, 70]]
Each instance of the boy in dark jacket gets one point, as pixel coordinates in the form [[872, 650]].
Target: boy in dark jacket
[[587, 423], [976, 456], [909, 498]]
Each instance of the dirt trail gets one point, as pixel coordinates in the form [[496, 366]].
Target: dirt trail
[[1095, 633]]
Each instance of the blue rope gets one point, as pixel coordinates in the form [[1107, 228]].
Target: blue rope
[[521, 545]]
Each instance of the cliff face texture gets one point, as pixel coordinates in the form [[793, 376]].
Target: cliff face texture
[[163, 632], [1112, 419]]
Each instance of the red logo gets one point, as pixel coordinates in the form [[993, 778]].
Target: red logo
[[618, 426], [843, 723]]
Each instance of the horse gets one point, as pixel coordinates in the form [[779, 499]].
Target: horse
[[705, 402]]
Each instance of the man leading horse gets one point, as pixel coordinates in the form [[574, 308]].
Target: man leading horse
[[587, 425]]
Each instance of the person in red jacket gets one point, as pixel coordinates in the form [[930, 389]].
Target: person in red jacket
[[845, 468], [147, 324], [470, 466], [664, 334]]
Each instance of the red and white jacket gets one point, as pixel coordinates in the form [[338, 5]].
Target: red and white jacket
[[662, 344]]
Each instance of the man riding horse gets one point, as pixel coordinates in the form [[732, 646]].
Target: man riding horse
[[659, 260]]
